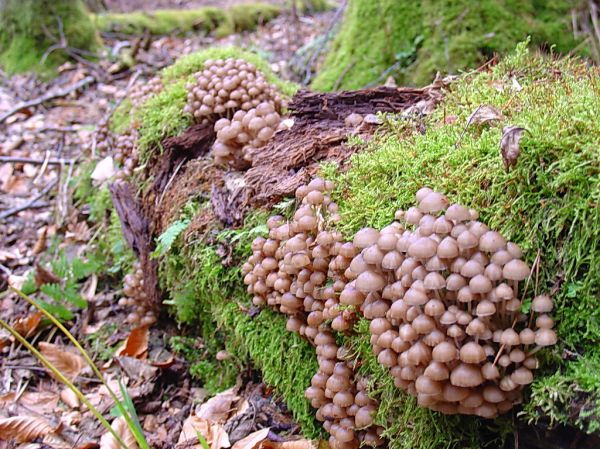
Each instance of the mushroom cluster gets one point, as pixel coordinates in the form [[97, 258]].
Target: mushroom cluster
[[144, 90], [125, 153], [239, 137], [226, 85], [341, 399], [445, 308], [135, 298], [289, 271]]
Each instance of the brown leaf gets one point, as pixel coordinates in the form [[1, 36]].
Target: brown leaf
[[136, 344], [40, 402], [40, 245], [253, 440], [24, 429], [219, 407], [69, 364], [484, 114], [214, 434], [69, 398], [119, 425], [509, 145], [296, 444], [43, 276], [28, 325]]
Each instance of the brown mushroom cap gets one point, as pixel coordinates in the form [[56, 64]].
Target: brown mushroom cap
[[433, 202], [465, 375], [472, 353], [515, 270], [491, 241], [545, 337], [542, 304]]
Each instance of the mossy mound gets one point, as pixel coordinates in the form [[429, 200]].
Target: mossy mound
[[547, 204], [218, 21], [162, 116], [29, 29], [411, 41]]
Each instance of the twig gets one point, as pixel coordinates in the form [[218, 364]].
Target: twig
[[48, 96], [28, 204], [26, 160], [315, 55], [340, 78]]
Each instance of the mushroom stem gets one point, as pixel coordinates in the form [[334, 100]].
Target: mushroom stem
[[533, 351]]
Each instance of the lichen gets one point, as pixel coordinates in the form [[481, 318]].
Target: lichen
[[411, 41]]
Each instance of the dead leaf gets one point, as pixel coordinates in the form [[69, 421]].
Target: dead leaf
[[164, 364], [119, 425], [69, 364], [69, 398], [28, 325], [253, 440], [40, 245], [218, 408], [40, 402], [137, 369], [484, 114], [6, 172], [104, 170], [24, 429], [509, 145], [214, 434], [296, 444], [7, 399], [43, 276], [136, 344]]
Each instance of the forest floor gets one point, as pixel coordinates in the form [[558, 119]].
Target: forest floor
[[42, 225]]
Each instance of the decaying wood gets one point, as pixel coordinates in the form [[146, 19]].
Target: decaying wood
[[138, 234]]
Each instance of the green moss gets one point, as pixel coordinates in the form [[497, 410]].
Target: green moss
[[121, 119], [546, 204], [28, 29], [206, 292], [411, 41], [206, 19]]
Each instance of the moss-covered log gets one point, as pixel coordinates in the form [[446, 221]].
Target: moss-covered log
[[546, 203], [34, 33], [412, 40]]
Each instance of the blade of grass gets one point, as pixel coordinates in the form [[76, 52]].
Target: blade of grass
[[137, 429], [64, 380], [85, 355]]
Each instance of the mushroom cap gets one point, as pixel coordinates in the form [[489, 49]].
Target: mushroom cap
[[422, 248], [527, 336], [434, 307], [433, 202], [542, 304], [448, 318], [366, 237], [485, 308], [369, 281], [501, 257], [434, 337], [477, 328], [423, 324], [442, 226], [493, 394], [447, 248], [515, 270], [415, 297], [467, 240], [364, 416], [490, 371], [480, 284], [436, 264], [455, 282], [465, 375], [545, 337], [424, 384], [452, 393], [522, 376], [493, 272], [455, 331], [457, 213], [510, 337], [491, 241], [503, 292], [471, 268], [422, 193], [436, 371], [472, 353], [434, 281], [413, 215]]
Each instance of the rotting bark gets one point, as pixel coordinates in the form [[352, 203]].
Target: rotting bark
[[319, 133], [135, 225]]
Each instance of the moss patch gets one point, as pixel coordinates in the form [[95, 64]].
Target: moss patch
[[28, 28], [411, 41], [546, 204], [208, 19]]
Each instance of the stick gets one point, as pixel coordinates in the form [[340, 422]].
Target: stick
[[49, 96], [26, 160], [28, 204]]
